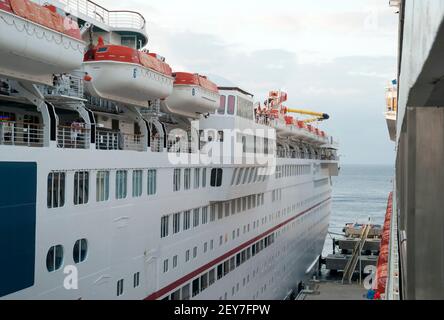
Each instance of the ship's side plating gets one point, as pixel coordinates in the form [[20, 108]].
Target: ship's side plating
[[91, 190]]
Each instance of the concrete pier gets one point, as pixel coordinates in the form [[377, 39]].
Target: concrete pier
[[334, 290]]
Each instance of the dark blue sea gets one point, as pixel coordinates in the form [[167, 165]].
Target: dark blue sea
[[360, 192]]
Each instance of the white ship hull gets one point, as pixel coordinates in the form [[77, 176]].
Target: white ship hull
[[31, 52], [124, 235]]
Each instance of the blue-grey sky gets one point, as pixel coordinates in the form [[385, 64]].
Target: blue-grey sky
[[331, 56]]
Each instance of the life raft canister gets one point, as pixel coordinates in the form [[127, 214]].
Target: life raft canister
[[5, 5]]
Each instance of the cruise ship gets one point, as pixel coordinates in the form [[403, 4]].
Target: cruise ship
[[124, 179], [411, 262]]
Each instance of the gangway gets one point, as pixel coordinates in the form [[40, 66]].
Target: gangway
[[351, 265]]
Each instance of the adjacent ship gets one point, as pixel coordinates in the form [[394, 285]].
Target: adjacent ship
[[123, 179]]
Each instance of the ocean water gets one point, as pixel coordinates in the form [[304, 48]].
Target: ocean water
[[360, 193]]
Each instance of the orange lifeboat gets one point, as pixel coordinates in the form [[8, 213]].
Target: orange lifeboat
[[126, 75], [288, 120], [193, 95], [36, 42]]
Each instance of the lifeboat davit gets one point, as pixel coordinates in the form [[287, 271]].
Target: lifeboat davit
[[37, 42], [193, 95], [126, 75]]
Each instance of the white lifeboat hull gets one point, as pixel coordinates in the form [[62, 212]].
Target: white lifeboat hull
[[191, 101], [126, 83], [31, 52]]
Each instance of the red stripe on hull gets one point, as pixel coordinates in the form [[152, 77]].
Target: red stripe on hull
[[188, 277]]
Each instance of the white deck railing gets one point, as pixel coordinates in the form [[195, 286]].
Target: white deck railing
[[115, 140], [73, 138], [115, 19], [21, 134]]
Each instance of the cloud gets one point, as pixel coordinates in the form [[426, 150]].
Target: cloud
[[336, 58], [350, 89]]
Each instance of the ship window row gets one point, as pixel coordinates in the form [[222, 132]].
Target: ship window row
[[227, 104], [220, 270], [186, 220], [55, 255], [285, 171], [204, 281], [121, 284], [251, 175], [196, 178], [255, 144], [56, 190]]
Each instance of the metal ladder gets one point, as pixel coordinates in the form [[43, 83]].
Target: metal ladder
[[351, 264]]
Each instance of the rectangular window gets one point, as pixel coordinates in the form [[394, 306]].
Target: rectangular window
[[187, 255], [195, 287], [196, 218], [152, 182], [136, 279], [102, 186], [165, 266], [205, 247], [216, 177], [186, 220], [56, 190], [194, 252], [231, 105], [187, 179], [121, 184], [186, 292], [176, 223], [220, 211], [196, 178], [204, 178], [213, 213], [220, 271], [204, 215], [137, 183], [232, 264], [211, 277], [233, 178], [176, 179], [120, 287], [164, 226], [81, 187], [250, 178], [239, 177], [221, 109], [204, 282], [247, 172], [175, 261], [175, 295]]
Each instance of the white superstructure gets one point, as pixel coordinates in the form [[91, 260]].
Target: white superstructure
[[112, 193]]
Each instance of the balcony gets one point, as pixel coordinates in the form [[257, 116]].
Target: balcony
[[114, 19], [115, 140], [21, 134], [73, 137]]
